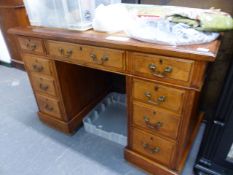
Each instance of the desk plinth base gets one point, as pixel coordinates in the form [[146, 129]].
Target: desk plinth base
[[56, 124], [157, 169], [147, 164]]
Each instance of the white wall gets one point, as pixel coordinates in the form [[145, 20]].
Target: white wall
[[4, 54]]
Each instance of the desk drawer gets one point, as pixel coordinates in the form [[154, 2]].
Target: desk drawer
[[158, 95], [44, 85], [31, 45], [154, 66], [156, 119], [153, 147], [37, 64], [64, 50], [90, 55], [103, 57], [49, 106]]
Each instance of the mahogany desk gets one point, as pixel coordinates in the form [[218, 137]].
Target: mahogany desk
[[163, 84]]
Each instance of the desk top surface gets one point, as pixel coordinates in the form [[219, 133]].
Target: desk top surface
[[201, 52]]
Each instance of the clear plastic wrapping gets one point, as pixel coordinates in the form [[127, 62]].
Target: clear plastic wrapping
[[72, 14], [164, 32]]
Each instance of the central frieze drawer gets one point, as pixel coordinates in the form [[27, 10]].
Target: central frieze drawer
[[88, 55], [153, 147], [154, 66], [103, 57], [64, 50], [158, 95], [43, 84], [155, 119]]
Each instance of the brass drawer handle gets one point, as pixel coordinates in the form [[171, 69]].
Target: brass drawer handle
[[31, 46], [64, 53], [159, 100], [69, 52], [167, 70], [37, 68], [48, 108], [152, 67], [93, 57], [102, 60], [152, 150], [148, 95], [150, 125], [44, 87], [61, 50]]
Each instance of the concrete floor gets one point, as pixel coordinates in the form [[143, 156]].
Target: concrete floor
[[28, 147]]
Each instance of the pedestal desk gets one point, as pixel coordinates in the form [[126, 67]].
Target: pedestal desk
[[67, 70]]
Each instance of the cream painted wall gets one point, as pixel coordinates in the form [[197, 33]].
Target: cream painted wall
[[4, 54]]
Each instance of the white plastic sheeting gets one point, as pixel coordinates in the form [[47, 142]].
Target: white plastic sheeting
[[112, 18], [164, 32], [116, 18]]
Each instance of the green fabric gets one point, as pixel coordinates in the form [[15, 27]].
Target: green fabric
[[185, 20], [209, 22], [212, 21], [215, 22]]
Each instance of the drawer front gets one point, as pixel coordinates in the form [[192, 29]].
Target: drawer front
[[64, 50], [153, 147], [154, 66], [37, 64], [102, 57], [158, 95], [49, 106], [156, 119], [31, 44], [44, 85]]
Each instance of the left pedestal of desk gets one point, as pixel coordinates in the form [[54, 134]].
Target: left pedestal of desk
[[45, 85], [64, 92]]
